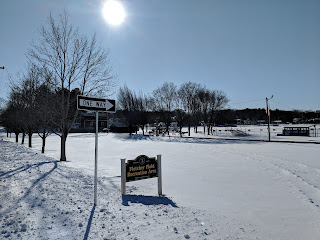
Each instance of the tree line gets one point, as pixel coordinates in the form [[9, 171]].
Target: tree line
[[191, 104]]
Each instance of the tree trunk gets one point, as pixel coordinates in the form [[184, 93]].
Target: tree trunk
[[189, 130], [17, 136], [63, 148], [43, 143], [30, 140], [130, 129], [23, 136]]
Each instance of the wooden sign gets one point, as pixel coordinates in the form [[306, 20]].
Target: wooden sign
[[142, 167]]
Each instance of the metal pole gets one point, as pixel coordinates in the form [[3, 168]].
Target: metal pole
[[96, 160], [268, 113], [268, 118], [123, 176], [269, 123], [159, 175]]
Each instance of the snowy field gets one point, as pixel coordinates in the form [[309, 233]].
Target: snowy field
[[254, 132], [214, 189]]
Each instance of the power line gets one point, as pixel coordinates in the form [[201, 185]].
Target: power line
[[258, 100], [284, 105]]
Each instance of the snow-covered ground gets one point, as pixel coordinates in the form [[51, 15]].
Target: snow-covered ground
[[255, 132], [214, 189]]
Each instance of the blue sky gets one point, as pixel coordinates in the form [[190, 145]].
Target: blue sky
[[251, 49]]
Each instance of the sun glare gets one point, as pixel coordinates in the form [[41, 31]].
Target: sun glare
[[113, 12]]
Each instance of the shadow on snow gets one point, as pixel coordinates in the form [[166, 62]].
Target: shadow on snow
[[18, 170], [147, 200], [86, 235], [137, 137]]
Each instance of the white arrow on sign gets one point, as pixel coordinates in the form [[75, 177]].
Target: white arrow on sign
[[109, 105]]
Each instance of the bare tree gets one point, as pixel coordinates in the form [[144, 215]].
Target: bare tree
[[23, 95], [75, 63], [202, 103], [208, 103], [10, 119], [165, 100], [217, 101], [187, 95], [46, 112], [128, 102], [144, 106]]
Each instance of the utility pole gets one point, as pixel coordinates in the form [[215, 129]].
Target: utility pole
[[268, 114]]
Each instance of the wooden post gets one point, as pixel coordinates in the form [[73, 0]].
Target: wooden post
[[159, 175], [123, 176]]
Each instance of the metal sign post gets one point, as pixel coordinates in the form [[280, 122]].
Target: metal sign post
[[96, 160], [97, 105], [268, 114]]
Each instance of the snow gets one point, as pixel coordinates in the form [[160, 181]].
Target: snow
[[214, 189]]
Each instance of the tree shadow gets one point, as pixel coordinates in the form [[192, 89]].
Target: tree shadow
[[147, 200], [197, 140], [13, 172], [42, 177], [33, 185], [134, 137], [86, 235]]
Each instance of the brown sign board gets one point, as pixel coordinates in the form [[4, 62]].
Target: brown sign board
[[140, 168]]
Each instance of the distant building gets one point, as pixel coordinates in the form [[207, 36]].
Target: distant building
[[120, 126], [86, 122]]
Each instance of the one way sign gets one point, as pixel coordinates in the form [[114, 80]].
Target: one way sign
[[96, 104]]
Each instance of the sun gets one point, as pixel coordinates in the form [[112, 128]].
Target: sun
[[113, 12]]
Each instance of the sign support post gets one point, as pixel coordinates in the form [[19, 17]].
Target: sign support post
[[123, 176], [96, 160], [97, 105], [159, 175], [268, 114]]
